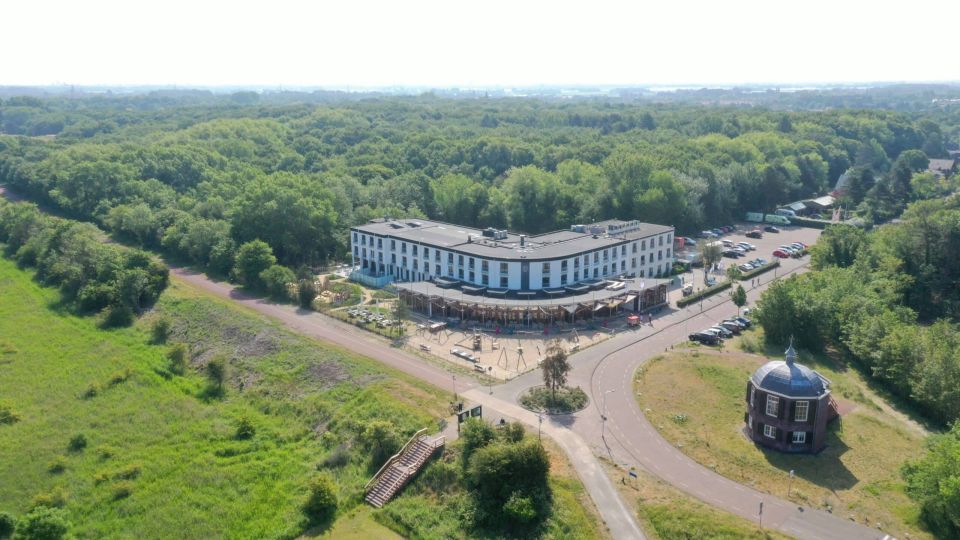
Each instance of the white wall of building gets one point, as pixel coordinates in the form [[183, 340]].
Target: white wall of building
[[653, 254]]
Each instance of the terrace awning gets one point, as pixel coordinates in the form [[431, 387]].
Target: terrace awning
[[577, 288], [630, 298], [473, 289], [599, 306], [572, 308], [445, 283], [615, 302], [526, 294], [498, 292], [554, 292]]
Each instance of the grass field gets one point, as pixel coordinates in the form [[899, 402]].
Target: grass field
[[162, 458], [856, 476], [667, 513]]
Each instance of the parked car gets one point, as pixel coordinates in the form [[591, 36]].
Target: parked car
[[718, 232], [788, 249], [707, 234], [688, 241], [727, 243], [726, 228], [733, 327], [771, 228], [738, 324], [745, 321], [747, 246], [746, 267], [731, 254], [715, 332], [756, 233], [705, 338], [759, 261], [798, 245], [781, 254], [724, 332]]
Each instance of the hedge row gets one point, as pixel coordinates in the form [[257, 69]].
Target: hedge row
[[757, 271], [697, 296]]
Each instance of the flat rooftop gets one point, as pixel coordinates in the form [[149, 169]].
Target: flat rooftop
[[471, 241]]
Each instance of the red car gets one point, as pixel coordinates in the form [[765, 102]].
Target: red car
[[781, 254]]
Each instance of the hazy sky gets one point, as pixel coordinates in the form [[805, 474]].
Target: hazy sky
[[481, 42]]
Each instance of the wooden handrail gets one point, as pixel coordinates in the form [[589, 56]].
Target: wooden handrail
[[393, 458]]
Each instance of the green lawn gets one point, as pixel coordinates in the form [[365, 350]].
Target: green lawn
[[162, 459], [857, 475]]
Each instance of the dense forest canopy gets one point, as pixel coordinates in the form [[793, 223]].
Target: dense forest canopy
[[198, 175]]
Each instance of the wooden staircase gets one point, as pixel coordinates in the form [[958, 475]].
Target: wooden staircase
[[399, 469]]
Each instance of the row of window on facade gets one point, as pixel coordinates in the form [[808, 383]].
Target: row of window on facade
[[772, 407], [772, 432], [547, 280], [606, 253]]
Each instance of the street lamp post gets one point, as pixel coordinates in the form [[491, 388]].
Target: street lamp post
[[539, 426], [603, 417], [454, 387], [790, 484]]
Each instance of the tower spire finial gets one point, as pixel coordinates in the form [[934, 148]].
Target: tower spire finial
[[791, 353]]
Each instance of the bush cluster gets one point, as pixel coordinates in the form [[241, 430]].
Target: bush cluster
[[92, 276]]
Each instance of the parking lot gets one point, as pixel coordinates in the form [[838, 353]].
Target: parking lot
[[765, 247]]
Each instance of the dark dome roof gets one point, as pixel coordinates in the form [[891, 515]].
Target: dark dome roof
[[789, 378]]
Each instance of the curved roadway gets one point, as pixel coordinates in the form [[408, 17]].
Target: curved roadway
[[607, 371]]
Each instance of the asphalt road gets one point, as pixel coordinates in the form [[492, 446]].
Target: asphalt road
[[607, 370]]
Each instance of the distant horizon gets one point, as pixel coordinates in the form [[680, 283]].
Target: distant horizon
[[654, 87], [373, 44]]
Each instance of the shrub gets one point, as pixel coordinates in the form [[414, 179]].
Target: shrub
[[321, 502], [161, 330], [58, 465], [306, 292], [119, 376], [336, 459], [7, 525], [106, 452], [749, 343], [55, 498], [439, 477], [520, 508], [475, 434], [709, 291], [245, 429], [77, 443], [93, 389], [121, 490], [275, 280], [380, 439], [116, 316], [177, 358], [129, 472], [8, 415], [43, 523], [216, 373], [757, 271]]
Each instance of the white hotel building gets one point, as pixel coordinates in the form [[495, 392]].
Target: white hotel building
[[499, 262]]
